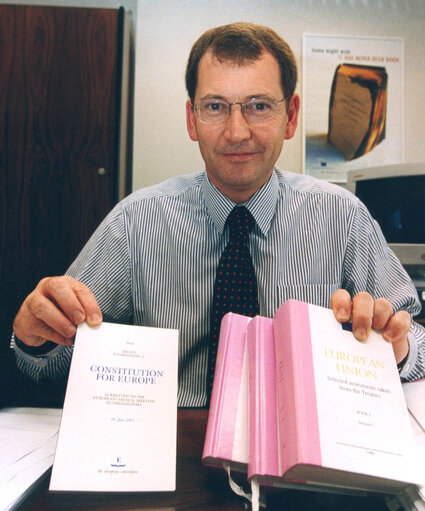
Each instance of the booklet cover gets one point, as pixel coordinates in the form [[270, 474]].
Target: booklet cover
[[119, 421]]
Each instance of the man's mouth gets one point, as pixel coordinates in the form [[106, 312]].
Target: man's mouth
[[239, 156]]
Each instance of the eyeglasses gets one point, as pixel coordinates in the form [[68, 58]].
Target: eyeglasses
[[216, 111]]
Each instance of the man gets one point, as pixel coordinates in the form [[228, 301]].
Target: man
[[153, 260]]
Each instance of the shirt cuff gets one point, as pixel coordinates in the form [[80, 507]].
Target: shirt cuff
[[38, 355], [409, 362]]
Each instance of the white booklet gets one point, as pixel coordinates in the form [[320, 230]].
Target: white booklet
[[119, 421]]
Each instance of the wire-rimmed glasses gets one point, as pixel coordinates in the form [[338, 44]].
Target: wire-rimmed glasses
[[258, 109]]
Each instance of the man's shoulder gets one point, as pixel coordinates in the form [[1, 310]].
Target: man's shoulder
[[173, 188], [311, 186]]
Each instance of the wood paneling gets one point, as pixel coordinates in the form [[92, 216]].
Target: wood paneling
[[59, 127]]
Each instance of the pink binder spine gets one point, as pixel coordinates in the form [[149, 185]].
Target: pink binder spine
[[226, 387], [298, 418], [263, 451]]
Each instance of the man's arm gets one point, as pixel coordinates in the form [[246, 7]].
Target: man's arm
[[53, 311], [370, 265], [96, 284]]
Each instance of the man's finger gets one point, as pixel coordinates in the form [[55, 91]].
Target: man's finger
[[398, 327], [396, 332], [47, 334], [382, 313], [39, 320], [341, 305], [89, 303], [362, 315], [60, 291], [75, 299]]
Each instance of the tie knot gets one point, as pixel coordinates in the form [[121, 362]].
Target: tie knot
[[240, 222]]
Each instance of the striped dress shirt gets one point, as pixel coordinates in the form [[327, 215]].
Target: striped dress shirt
[[152, 262]]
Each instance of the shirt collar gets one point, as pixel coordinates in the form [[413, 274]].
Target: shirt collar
[[262, 205]]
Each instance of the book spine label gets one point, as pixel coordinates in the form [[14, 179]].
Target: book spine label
[[263, 426], [298, 417]]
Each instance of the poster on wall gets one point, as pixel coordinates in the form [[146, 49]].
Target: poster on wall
[[352, 104]]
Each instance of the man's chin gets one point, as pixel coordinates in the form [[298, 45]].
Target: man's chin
[[240, 188]]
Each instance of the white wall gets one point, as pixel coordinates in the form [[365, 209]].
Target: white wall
[[166, 30]]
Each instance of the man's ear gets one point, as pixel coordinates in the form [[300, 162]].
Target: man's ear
[[293, 111], [190, 121]]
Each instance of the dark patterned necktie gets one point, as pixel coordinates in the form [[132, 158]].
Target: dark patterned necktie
[[235, 287]]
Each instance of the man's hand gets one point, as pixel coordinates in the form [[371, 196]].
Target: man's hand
[[367, 313], [54, 309]]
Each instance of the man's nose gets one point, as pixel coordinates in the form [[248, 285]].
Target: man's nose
[[237, 129]]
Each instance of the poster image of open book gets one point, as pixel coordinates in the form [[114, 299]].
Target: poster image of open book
[[357, 109]]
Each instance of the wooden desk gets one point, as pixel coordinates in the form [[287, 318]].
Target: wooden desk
[[198, 487]]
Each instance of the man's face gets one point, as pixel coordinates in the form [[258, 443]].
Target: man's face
[[239, 156]]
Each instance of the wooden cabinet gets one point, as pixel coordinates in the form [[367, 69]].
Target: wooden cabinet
[[60, 100]]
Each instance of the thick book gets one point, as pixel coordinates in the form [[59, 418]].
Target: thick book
[[357, 109], [226, 439], [325, 410], [264, 463], [343, 419], [263, 419], [119, 420]]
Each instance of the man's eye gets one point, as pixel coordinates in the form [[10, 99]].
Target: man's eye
[[214, 107], [261, 106]]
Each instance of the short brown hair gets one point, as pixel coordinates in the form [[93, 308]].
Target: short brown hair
[[242, 42]]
